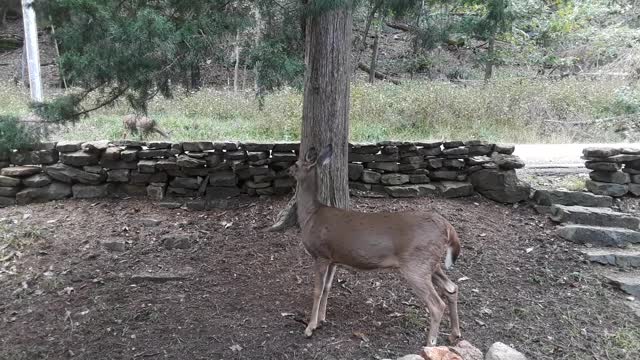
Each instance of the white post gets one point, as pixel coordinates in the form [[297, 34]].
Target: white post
[[31, 45]]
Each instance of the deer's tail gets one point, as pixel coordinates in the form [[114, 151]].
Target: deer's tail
[[453, 247]]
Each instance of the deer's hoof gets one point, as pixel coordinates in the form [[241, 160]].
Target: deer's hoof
[[308, 331], [454, 339]]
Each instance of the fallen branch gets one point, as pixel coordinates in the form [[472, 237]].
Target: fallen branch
[[398, 26], [378, 74]]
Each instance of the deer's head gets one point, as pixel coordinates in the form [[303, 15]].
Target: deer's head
[[305, 169]]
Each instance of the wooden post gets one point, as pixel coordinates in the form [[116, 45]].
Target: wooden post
[[33, 54]]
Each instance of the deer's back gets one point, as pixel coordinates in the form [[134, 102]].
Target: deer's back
[[372, 240]]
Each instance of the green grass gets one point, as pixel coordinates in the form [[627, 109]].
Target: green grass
[[504, 111]]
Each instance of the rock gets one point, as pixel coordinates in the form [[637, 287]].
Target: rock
[[628, 282], [189, 162], [9, 181], [360, 158], [435, 163], [629, 257], [116, 246], [7, 201], [156, 191], [634, 189], [95, 146], [411, 357], [138, 178], [187, 183], [54, 191], [435, 151], [617, 177], [453, 189], [593, 216], [173, 241], [159, 145], [478, 160], [453, 164], [429, 145], [81, 191], [500, 351], [79, 158], [444, 175], [223, 178], [359, 186], [147, 166], [235, 155], [131, 144], [68, 146], [598, 235], [608, 189], [118, 175], [603, 152], [630, 151], [364, 148], [6, 191], [563, 197], [500, 185], [389, 150], [253, 185], [286, 147], [153, 154], [419, 179], [505, 149], [221, 192], [20, 171], [37, 180], [403, 191], [117, 165], [129, 190], [197, 146], [394, 179], [602, 166], [257, 147], [452, 144], [129, 155], [468, 351], [150, 222], [284, 157], [439, 353], [483, 149], [633, 165], [507, 162], [111, 154], [68, 174], [257, 155], [622, 158], [355, 171], [384, 166], [410, 168], [370, 177], [630, 171], [386, 158], [455, 152]]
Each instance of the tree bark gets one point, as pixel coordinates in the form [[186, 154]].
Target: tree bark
[[488, 70], [325, 113], [236, 69], [374, 56]]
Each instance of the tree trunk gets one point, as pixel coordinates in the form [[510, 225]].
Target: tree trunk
[[325, 113], [195, 77], [416, 40], [236, 69], [33, 53], [361, 48], [374, 56], [488, 70], [258, 38]]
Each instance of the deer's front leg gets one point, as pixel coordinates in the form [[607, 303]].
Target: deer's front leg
[[320, 269], [322, 315]]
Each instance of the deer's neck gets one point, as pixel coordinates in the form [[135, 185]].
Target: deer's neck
[[308, 202]]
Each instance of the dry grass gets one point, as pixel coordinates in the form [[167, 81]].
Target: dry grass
[[503, 111]]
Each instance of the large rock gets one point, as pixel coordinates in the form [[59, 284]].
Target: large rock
[[9, 181], [68, 146], [81, 191], [364, 148], [7, 201], [613, 256], [507, 162], [403, 191], [593, 216], [80, 158], [563, 197], [55, 191], [121, 176], [439, 353], [189, 162], [6, 191], [598, 235], [500, 185], [628, 282], [500, 351], [457, 152], [608, 189], [223, 178], [468, 351], [68, 174], [394, 179], [21, 171], [95, 146], [602, 166], [505, 148], [600, 152], [370, 177], [37, 180], [355, 171], [384, 166], [454, 189], [617, 177], [444, 175], [186, 183]]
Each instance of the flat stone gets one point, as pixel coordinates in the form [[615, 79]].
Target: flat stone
[[603, 152], [617, 177], [629, 257], [187, 183], [189, 162], [478, 160], [635, 179], [384, 166], [403, 191], [114, 245], [632, 166], [95, 169], [235, 155], [68, 146], [593, 216], [500, 185], [500, 351], [386, 157], [154, 154], [112, 153], [355, 171], [180, 191], [116, 165], [80, 158], [468, 351], [68, 174], [257, 147], [394, 179], [419, 179], [257, 156], [435, 163], [9, 181], [452, 144], [598, 235], [95, 146], [608, 189], [455, 151], [364, 148], [454, 189], [7, 201], [412, 159], [435, 151], [284, 157], [223, 178], [156, 191], [634, 189], [6, 191], [359, 186], [602, 166], [147, 166], [173, 241], [628, 281], [444, 175], [138, 178], [429, 145], [54, 191], [121, 175], [167, 164], [81, 191], [563, 197], [453, 163], [507, 162], [20, 171], [253, 185], [197, 146], [286, 147], [484, 149], [361, 158], [370, 177], [159, 145], [622, 158], [131, 144], [630, 151], [129, 155]]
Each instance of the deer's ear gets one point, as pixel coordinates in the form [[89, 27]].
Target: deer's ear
[[325, 155], [312, 155]]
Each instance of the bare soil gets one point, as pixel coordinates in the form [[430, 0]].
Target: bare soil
[[245, 292]]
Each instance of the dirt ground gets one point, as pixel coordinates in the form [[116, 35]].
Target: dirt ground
[[242, 293]]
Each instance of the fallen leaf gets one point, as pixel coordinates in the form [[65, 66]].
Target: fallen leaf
[[360, 335], [235, 348], [529, 250], [464, 278]]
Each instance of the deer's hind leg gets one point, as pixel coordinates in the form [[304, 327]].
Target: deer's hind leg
[[321, 270], [418, 276], [322, 315], [450, 292]]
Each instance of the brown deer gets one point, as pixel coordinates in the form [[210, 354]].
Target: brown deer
[[415, 243], [141, 125]]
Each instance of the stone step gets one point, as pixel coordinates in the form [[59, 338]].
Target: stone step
[[565, 197], [598, 235], [627, 281], [594, 216], [613, 256]]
